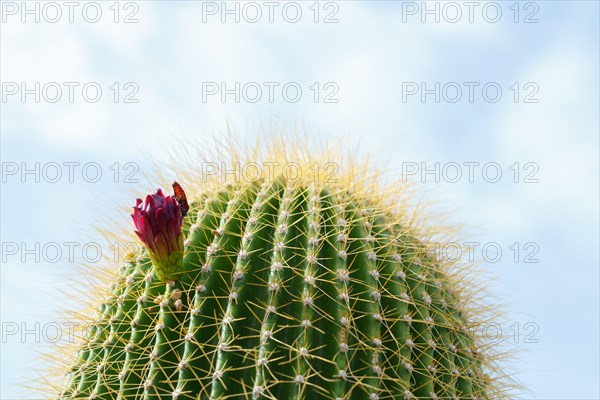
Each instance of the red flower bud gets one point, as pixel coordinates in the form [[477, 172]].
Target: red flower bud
[[158, 224]]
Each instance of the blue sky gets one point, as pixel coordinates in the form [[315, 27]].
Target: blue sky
[[370, 57]]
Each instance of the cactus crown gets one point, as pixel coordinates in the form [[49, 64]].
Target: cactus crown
[[319, 287]]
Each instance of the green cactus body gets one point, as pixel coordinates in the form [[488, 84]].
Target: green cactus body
[[289, 290]]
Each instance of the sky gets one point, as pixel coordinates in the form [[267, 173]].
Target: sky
[[489, 108]]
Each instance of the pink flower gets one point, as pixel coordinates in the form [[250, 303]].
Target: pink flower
[[158, 224]]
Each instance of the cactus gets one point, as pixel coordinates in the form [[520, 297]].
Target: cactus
[[309, 288]]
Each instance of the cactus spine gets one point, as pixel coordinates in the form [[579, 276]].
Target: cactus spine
[[289, 290]]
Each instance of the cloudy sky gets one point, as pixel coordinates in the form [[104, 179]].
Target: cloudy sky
[[487, 87]]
